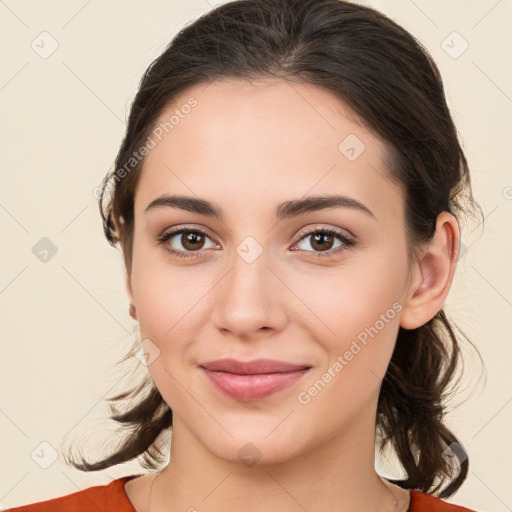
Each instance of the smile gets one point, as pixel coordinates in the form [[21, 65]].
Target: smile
[[253, 380]]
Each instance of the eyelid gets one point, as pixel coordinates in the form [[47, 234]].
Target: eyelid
[[168, 234], [348, 240], [340, 231]]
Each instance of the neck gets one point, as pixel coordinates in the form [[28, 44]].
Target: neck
[[338, 475]]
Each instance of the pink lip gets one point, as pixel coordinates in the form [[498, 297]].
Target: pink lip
[[252, 380]]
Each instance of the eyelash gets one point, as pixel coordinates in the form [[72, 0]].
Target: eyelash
[[347, 241]]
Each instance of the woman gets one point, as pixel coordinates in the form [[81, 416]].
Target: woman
[[287, 198]]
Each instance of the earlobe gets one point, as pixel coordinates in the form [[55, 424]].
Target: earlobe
[[433, 274], [132, 310]]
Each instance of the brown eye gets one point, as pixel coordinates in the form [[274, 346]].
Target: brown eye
[[192, 241], [324, 241], [185, 242]]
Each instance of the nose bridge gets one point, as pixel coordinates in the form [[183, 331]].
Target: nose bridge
[[250, 265], [246, 300]]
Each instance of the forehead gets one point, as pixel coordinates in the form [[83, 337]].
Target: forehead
[[263, 142]]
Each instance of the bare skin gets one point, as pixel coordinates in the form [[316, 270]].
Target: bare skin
[[247, 148]]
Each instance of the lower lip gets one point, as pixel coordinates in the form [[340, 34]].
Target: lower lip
[[253, 387]]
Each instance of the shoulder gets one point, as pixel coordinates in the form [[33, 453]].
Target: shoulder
[[421, 502], [111, 496]]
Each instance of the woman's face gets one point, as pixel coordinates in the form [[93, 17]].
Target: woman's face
[[262, 282]]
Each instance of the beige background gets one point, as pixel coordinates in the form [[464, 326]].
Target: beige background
[[65, 321]]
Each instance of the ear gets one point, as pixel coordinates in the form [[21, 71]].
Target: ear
[[132, 310], [432, 274], [119, 230], [118, 226]]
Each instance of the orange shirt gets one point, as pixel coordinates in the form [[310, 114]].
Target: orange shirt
[[112, 498]]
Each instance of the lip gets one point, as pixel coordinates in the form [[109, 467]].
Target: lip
[[252, 380]]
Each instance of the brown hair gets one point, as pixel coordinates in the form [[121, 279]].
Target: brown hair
[[388, 78]]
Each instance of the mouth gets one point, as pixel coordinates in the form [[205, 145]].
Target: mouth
[[252, 380]]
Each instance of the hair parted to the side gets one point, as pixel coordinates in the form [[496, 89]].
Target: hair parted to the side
[[390, 81]]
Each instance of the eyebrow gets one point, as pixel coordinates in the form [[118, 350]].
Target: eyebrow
[[284, 210]]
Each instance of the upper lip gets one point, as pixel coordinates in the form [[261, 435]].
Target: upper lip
[[256, 366]]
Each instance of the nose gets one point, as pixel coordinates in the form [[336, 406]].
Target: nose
[[250, 300]]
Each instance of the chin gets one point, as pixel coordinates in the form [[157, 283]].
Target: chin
[[253, 447]]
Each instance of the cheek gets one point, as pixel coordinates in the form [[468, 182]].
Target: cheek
[[362, 312], [353, 297], [358, 310], [166, 296], [168, 312]]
